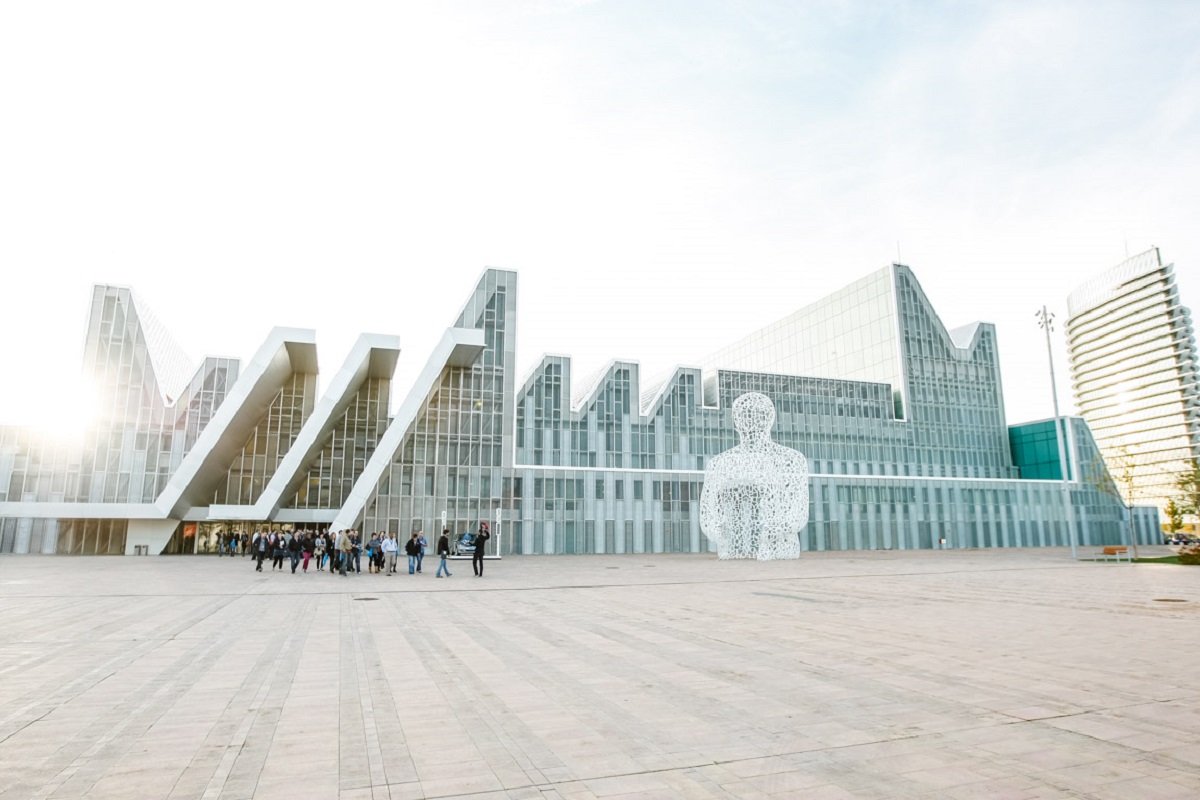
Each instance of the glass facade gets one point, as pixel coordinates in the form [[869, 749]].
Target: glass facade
[[348, 446], [1035, 451], [141, 430], [901, 419], [853, 334], [451, 459], [269, 442], [1134, 373]]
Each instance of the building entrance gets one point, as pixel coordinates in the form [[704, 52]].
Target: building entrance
[[204, 538]]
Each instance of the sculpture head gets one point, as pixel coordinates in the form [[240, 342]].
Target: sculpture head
[[753, 416]]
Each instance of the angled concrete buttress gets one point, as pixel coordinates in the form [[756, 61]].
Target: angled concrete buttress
[[286, 350], [459, 347], [372, 356]]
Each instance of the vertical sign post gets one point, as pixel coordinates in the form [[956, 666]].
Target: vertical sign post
[[497, 533]]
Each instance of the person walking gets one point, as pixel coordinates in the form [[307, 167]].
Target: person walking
[[261, 543], [309, 546], [343, 549], [411, 547], [319, 550], [356, 551], [295, 548], [377, 550], [481, 539], [245, 543], [443, 550], [422, 543], [279, 550], [388, 545]]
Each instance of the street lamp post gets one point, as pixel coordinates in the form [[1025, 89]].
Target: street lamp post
[[1046, 322]]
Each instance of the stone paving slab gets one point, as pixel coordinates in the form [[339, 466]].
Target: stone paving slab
[[954, 675]]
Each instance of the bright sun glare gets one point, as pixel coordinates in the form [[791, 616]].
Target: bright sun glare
[[63, 413]]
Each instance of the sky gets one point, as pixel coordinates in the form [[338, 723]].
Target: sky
[[666, 177]]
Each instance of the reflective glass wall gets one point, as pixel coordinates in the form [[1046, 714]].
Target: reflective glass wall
[[1135, 373]]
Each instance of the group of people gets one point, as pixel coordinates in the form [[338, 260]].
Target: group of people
[[342, 551]]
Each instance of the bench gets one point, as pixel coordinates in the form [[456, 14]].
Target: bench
[[1115, 552]]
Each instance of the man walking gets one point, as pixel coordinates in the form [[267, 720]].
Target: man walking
[[443, 550], [295, 547], [388, 545], [481, 539], [411, 548], [356, 551], [422, 543], [344, 545], [260, 549]]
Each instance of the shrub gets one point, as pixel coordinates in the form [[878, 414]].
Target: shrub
[[1189, 554]]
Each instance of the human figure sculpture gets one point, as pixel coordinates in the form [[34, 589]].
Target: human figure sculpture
[[755, 498]]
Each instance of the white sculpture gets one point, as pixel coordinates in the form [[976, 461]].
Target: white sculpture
[[755, 498]]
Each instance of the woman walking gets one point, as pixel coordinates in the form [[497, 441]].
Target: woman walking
[[309, 546], [319, 550], [278, 552]]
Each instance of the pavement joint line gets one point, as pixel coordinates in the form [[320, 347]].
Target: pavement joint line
[[88, 681], [423, 641], [233, 751], [26, 725], [554, 587], [166, 688]]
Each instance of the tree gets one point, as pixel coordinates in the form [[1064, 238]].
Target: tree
[[1188, 484], [1115, 476], [1174, 516]]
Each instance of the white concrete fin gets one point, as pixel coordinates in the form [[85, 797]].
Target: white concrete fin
[[373, 355], [458, 347], [283, 351]]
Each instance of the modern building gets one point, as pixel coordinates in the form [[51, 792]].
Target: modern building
[[1134, 372], [902, 422]]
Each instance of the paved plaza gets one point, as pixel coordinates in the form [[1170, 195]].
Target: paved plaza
[[959, 674]]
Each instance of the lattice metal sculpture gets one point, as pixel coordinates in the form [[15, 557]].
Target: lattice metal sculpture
[[755, 498]]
